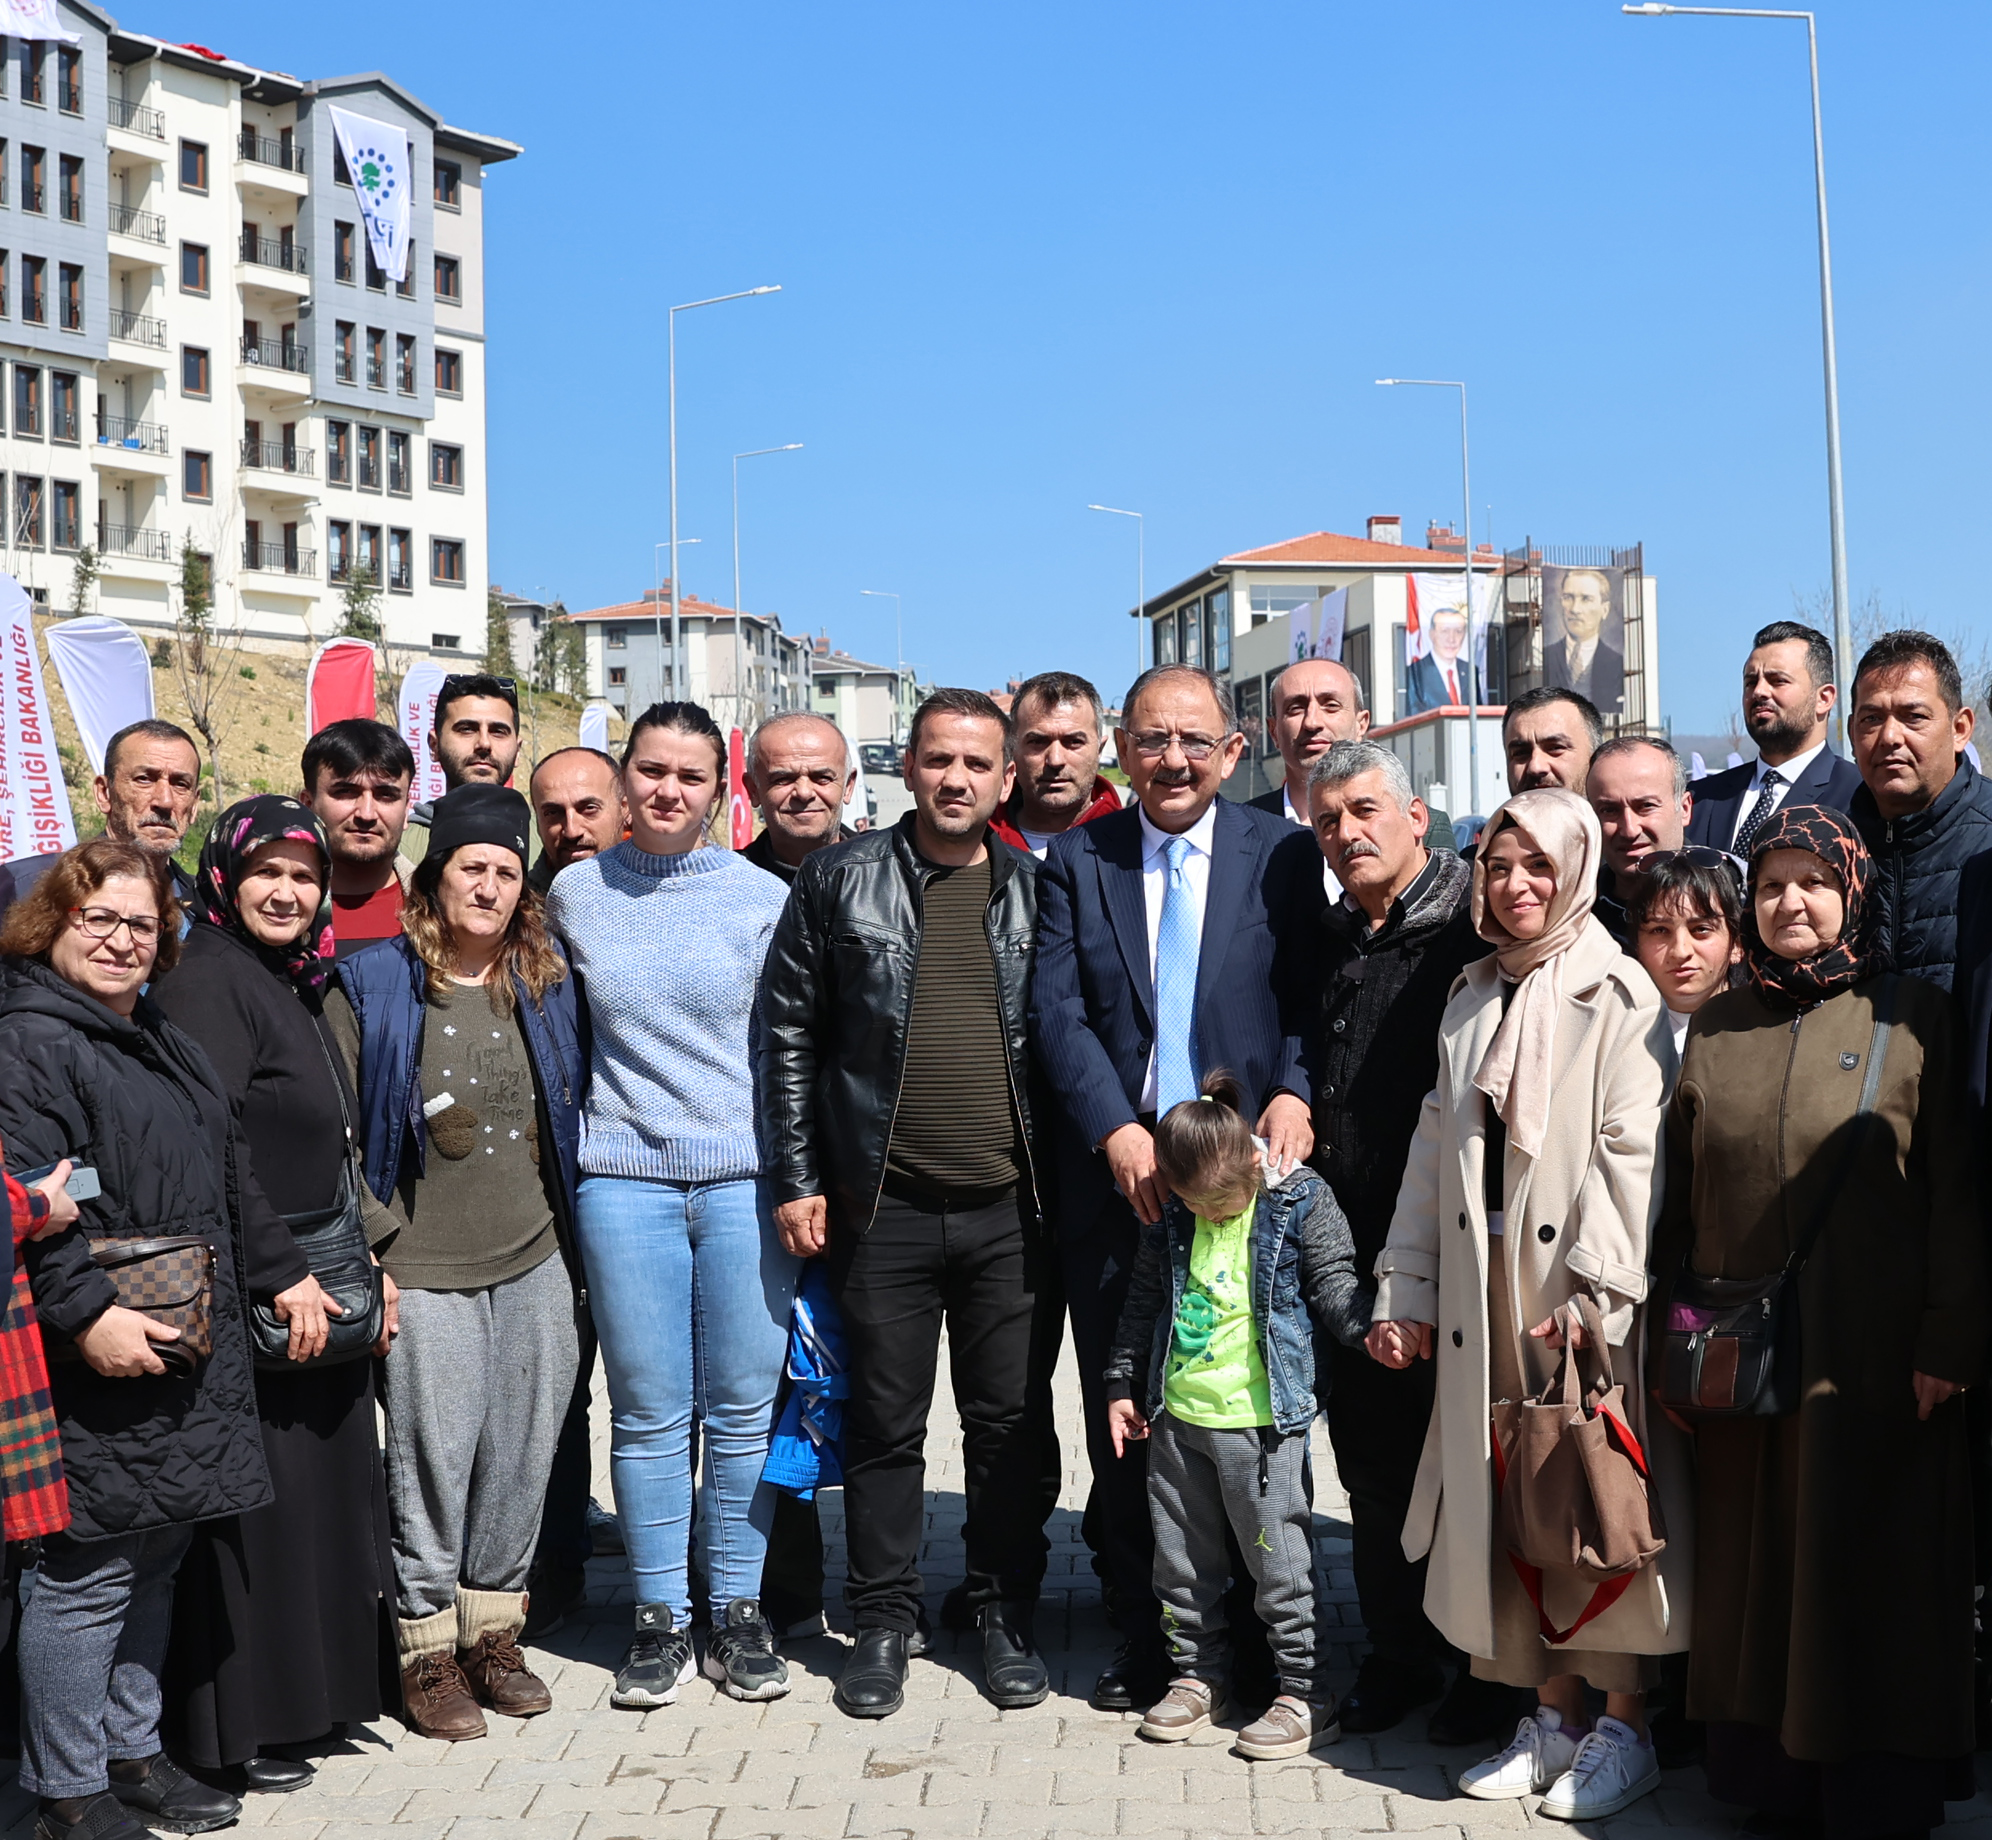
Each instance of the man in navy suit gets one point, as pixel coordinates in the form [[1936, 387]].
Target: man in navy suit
[[1788, 694], [1254, 882]]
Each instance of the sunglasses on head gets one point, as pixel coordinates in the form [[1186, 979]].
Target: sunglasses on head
[[458, 682]]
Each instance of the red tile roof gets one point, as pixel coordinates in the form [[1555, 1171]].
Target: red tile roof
[[648, 609], [1328, 546]]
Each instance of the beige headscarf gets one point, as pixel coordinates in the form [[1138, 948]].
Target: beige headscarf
[[1517, 1072]]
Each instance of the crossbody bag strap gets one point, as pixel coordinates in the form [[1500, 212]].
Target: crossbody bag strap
[[1884, 1024]]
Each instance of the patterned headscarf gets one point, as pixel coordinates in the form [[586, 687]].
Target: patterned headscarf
[[1831, 837], [307, 961]]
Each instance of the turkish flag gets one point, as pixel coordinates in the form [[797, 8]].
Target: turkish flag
[[739, 806], [340, 684]]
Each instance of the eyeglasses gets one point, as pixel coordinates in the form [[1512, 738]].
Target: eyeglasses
[[102, 922], [1153, 745]]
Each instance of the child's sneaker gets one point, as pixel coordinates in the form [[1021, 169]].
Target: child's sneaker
[[1186, 1709], [1290, 1727], [1541, 1750], [1612, 1769]]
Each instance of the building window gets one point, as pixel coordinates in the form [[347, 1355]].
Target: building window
[[69, 171], [449, 185], [71, 281], [446, 561], [342, 252], [618, 676], [401, 561], [339, 453], [449, 278], [27, 399], [69, 80], [34, 290], [34, 71], [1218, 626], [338, 549], [68, 520], [197, 476], [193, 166], [27, 511], [376, 358], [194, 379], [193, 268], [3, 200], [3, 294], [64, 398], [404, 363], [405, 287], [398, 477], [368, 556], [616, 638], [344, 348], [445, 466], [369, 459], [449, 370], [34, 172]]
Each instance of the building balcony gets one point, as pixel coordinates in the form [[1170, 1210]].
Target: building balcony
[[279, 558], [136, 118], [271, 252], [280, 457], [276, 354], [138, 329], [139, 545], [263, 150], [134, 437], [146, 226]]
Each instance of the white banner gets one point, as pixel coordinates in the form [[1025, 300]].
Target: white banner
[[377, 158], [595, 726], [35, 818], [106, 676], [1315, 630], [415, 711], [34, 19]]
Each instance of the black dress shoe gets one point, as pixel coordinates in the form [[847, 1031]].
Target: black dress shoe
[[1135, 1679], [873, 1684], [1012, 1674], [1475, 1711], [1384, 1694], [270, 1775], [168, 1797], [103, 1817]]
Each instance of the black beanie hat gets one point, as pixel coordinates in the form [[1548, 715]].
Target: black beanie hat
[[479, 813]]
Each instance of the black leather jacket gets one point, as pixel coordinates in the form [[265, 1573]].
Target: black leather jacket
[[836, 999]]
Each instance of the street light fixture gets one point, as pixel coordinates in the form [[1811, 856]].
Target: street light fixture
[[672, 338], [1140, 570], [792, 447], [898, 651], [1843, 631], [1472, 653]]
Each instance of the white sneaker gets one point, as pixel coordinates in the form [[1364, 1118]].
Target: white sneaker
[[1612, 1770], [1541, 1752]]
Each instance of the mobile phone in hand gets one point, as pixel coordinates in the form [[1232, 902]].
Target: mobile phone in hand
[[83, 1184]]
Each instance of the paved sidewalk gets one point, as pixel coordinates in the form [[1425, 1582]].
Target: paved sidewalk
[[710, 1768]]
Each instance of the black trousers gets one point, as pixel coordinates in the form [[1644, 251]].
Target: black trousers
[[1377, 1418], [979, 1270], [563, 1536]]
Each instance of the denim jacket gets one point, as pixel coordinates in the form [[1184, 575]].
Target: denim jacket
[[1303, 1280]]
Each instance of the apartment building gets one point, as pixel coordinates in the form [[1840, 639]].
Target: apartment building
[[199, 348], [743, 667]]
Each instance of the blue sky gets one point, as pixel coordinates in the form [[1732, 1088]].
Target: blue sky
[[1155, 254]]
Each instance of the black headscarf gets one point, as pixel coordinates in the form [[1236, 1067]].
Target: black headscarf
[[1830, 836], [308, 960]]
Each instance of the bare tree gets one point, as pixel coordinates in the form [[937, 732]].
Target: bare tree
[[204, 660], [1870, 620]]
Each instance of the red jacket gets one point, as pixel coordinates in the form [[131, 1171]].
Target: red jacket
[[34, 1498], [1106, 797]]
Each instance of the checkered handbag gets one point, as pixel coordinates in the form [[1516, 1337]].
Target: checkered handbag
[[170, 1280]]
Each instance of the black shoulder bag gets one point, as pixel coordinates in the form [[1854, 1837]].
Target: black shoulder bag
[[1733, 1346], [334, 1243]]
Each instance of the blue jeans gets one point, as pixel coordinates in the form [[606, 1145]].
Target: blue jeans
[[690, 1291]]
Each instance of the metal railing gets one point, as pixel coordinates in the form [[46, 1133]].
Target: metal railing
[[33, 197], [377, 370], [72, 207], [264, 151], [278, 354], [279, 558], [369, 471], [136, 118], [137, 329], [129, 220], [397, 475], [279, 457], [130, 540], [269, 252], [342, 367], [69, 312], [138, 437]]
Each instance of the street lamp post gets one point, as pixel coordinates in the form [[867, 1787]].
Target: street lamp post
[[1472, 652], [1140, 570], [657, 606], [671, 334], [792, 447], [898, 652], [1836, 511]]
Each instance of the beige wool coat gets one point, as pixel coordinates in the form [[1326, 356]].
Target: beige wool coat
[[1579, 1216]]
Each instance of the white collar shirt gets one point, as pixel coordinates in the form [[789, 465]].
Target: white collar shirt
[[1580, 654], [1155, 886], [1328, 878], [1788, 773]]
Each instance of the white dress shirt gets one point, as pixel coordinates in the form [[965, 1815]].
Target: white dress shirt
[[1328, 879], [1791, 770], [1155, 885], [1678, 1021]]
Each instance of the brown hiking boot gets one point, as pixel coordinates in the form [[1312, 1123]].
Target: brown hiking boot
[[438, 1699], [498, 1675]]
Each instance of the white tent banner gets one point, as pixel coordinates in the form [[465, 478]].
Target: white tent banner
[[106, 676], [415, 711], [595, 726], [34, 19], [383, 177], [35, 819]]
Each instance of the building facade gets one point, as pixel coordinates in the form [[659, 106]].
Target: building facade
[[741, 666], [201, 352]]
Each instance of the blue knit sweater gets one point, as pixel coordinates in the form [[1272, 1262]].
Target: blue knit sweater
[[670, 950]]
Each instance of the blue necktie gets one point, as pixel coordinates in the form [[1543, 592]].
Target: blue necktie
[[1176, 985]]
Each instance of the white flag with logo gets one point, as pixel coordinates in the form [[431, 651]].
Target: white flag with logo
[[107, 676], [35, 819], [377, 160], [420, 687], [34, 19]]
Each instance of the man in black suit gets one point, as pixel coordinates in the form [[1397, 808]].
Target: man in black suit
[[1788, 694], [1582, 661], [1251, 883]]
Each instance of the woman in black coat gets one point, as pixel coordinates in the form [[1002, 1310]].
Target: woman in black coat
[[276, 1622], [95, 1073]]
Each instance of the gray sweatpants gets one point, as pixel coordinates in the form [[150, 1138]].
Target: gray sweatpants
[[1198, 1481], [476, 1386]]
